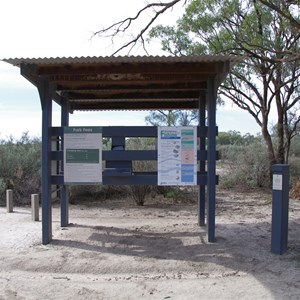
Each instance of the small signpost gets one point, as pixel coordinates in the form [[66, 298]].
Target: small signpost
[[280, 209]]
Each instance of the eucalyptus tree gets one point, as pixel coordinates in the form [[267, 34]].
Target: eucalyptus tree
[[267, 81], [172, 118], [288, 9], [263, 31]]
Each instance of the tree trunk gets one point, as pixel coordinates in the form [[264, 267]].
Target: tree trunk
[[271, 156], [280, 144], [280, 128]]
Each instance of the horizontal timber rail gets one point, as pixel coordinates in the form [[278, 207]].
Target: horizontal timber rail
[[136, 178], [131, 131]]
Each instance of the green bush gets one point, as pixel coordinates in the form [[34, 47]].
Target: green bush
[[246, 165], [84, 193], [295, 147], [244, 159], [294, 163], [20, 165], [140, 192]]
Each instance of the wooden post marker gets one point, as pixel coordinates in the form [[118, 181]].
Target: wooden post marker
[[35, 207], [9, 201]]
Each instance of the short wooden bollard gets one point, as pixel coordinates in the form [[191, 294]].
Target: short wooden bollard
[[35, 207], [9, 201]]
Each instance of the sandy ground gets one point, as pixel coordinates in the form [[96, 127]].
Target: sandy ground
[[116, 250]]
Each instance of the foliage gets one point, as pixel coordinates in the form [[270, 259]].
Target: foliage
[[175, 193], [233, 137], [245, 165], [243, 158], [294, 163], [295, 146], [266, 33], [288, 10], [172, 118], [20, 165], [140, 144], [89, 193], [140, 192], [295, 191]]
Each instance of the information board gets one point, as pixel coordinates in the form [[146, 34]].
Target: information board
[[83, 155], [177, 156]]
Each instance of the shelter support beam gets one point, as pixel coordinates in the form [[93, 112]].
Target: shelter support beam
[[201, 195], [64, 201], [45, 92], [211, 159]]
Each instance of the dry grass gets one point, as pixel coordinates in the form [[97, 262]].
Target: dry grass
[[295, 191]]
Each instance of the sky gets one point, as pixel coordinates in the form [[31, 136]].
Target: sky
[[63, 28]]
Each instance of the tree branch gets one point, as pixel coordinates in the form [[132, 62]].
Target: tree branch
[[284, 12], [120, 27]]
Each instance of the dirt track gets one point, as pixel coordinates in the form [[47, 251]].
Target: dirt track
[[115, 250]]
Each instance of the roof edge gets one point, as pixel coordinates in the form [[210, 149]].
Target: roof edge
[[123, 59]]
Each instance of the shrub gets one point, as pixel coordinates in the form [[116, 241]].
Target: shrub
[[247, 165], [139, 193], [295, 147], [295, 191], [82, 193], [20, 165], [294, 163]]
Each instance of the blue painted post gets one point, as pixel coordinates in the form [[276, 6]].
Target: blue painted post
[[64, 201], [211, 160], [201, 195], [280, 209], [46, 101]]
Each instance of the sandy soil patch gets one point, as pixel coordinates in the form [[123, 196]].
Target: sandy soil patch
[[116, 250]]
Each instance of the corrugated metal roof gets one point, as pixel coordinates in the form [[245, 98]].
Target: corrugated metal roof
[[127, 82], [123, 59]]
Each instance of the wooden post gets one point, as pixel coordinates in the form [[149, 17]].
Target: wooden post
[[64, 201], [9, 201], [35, 207], [211, 160], [202, 163], [45, 91]]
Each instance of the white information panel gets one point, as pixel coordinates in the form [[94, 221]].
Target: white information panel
[[177, 156], [83, 155], [277, 182]]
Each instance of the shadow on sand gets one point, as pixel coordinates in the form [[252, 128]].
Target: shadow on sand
[[242, 248]]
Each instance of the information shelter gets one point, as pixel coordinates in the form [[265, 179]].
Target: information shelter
[[125, 83]]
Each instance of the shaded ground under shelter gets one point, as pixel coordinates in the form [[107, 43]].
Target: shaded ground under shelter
[[127, 83]]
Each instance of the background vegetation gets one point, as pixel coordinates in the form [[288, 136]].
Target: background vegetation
[[243, 162], [20, 168]]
